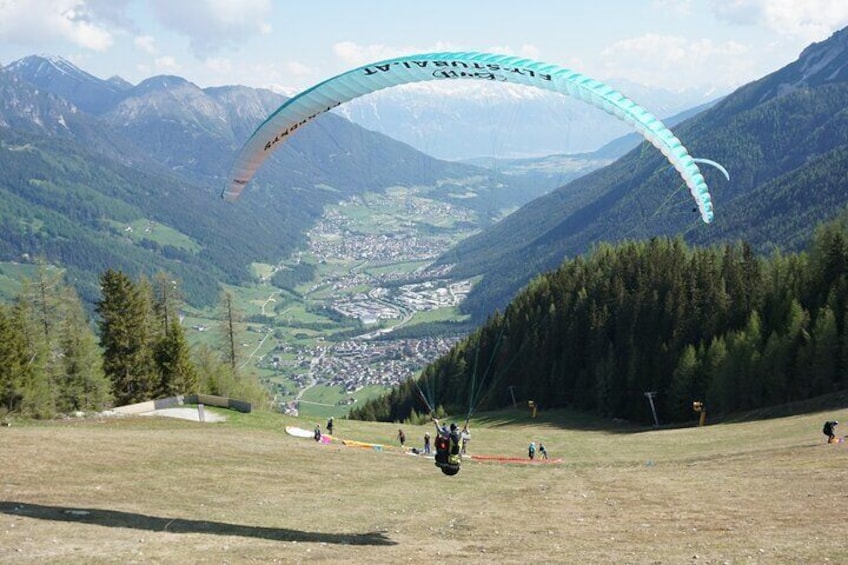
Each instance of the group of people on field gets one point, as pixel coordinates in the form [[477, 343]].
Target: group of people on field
[[451, 443], [464, 437], [316, 433], [531, 450]]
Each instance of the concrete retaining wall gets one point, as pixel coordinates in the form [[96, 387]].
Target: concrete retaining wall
[[171, 402]]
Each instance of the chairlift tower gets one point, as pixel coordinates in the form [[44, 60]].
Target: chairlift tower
[[650, 396]]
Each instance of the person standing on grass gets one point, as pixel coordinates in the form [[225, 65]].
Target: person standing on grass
[[465, 436], [426, 443], [531, 450], [317, 433], [829, 430], [330, 426], [401, 437], [543, 453]]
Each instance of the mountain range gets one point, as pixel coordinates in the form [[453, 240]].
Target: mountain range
[[92, 165], [469, 120], [85, 160]]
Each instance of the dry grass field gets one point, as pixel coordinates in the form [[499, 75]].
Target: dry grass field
[[161, 490]]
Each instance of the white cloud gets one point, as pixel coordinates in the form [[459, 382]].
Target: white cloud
[[353, 54], [166, 64], [298, 69], [146, 43], [677, 62], [111, 12], [218, 65], [86, 34], [810, 20], [527, 51], [679, 7], [212, 25], [36, 22]]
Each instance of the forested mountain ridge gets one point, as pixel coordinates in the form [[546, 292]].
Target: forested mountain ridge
[[784, 139], [716, 324]]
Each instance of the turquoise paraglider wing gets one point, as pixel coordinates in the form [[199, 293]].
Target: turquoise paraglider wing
[[713, 164], [304, 107], [709, 162]]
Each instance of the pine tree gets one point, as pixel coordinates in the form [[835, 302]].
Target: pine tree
[[214, 375], [14, 362], [166, 302], [682, 391], [37, 379], [798, 340], [125, 337], [229, 331], [715, 361], [82, 384], [177, 373], [775, 355], [175, 369], [825, 356]]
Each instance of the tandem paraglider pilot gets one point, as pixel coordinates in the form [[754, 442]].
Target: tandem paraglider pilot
[[447, 457]]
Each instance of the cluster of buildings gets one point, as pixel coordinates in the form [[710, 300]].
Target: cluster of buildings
[[335, 238], [375, 358], [354, 364], [383, 303]]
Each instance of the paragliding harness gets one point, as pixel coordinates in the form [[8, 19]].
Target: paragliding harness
[[448, 458], [448, 444]]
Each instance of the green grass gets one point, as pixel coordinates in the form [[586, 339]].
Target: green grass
[[322, 401], [324, 394], [263, 270], [13, 275], [403, 267], [141, 489], [438, 315], [141, 229]]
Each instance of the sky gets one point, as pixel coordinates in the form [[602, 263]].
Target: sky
[[712, 45]]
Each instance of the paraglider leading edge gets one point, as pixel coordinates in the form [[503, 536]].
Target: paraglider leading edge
[[302, 108]]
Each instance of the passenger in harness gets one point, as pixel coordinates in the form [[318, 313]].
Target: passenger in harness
[[447, 445]]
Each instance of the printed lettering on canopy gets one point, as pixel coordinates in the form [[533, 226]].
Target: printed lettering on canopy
[[299, 110]]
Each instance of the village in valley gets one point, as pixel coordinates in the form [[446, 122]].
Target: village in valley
[[387, 281]]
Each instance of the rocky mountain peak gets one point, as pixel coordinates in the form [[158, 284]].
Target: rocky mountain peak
[[826, 61], [63, 78]]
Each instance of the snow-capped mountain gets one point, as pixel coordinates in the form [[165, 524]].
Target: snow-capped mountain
[[63, 78], [473, 119]]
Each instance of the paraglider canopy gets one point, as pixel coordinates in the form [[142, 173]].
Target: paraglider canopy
[[304, 107], [710, 162]]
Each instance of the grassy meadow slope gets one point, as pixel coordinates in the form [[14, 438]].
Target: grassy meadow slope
[[158, 490]]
